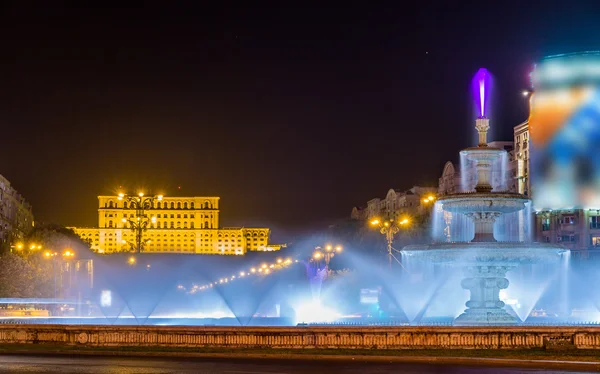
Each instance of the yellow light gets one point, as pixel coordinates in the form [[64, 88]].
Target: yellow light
[[317, 255], [124, 220], [242, 274], [131, 260], [431, 198], [153, 219], [386, 224], [159, 197], [121, 194], [328, 247], [68, 253], [141, 194], [123, 241], [279, 261], [32, 247], [288, 260], [266, 271], [39, 247], [425, 201], [375, 222], [253, 270], [260, 270], [20, 246], [272, 266], [338, 248], [47, 254], [404, 221], [264, 266]]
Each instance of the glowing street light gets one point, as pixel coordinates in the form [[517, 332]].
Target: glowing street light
[[390, 229], [327, 254], [428, 199], [131, 260]]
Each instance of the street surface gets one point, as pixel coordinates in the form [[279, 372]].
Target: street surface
[[129, 365]]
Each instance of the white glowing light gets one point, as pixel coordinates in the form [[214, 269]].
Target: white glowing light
[[105, 298], [314, 312]]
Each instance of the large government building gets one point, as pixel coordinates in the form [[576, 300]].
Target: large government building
[[174, 225]]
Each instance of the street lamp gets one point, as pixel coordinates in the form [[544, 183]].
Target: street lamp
[[139, 224], [326, 253], [23, 246], [389, 229], [429, 199]]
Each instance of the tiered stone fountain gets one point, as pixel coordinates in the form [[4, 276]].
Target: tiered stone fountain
[[484, 261]]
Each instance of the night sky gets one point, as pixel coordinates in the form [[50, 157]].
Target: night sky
[[291, 112]]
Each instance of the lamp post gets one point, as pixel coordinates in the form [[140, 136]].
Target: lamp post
[[326, 254], [140, 222], [390, 229]]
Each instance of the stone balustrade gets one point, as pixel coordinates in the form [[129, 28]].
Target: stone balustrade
[[306, 337]]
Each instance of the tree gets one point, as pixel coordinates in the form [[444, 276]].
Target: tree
[[16, 276]]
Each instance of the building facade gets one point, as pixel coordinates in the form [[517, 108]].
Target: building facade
[[176, 225], [16, 216], [520, 158], [395, 204]]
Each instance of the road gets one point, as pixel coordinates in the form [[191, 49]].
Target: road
[[129, 365]]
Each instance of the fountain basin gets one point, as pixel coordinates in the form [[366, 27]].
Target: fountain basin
[[497, 202], [482, 153], [496, 253]]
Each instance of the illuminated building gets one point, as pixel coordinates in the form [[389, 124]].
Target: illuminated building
[[16, 217], [521, 158], [395, 204], [178, 225]]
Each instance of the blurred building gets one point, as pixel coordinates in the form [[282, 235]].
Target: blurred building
[[395, 204], [16, 216], [179, 225]]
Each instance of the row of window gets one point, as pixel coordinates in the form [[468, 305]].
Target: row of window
[[161, 205], [158, 234], [165, 225], [192, 216]]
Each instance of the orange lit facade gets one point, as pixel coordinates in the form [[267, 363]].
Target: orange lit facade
[[178, 225]]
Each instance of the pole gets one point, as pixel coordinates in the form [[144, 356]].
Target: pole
[[390, 239], [54, 270]]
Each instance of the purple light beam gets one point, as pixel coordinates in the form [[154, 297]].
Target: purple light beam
[[480, 86]]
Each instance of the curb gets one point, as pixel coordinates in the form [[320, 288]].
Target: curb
[[462, 361]]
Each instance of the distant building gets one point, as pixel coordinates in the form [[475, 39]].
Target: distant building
[[16, 216], [180, 225], [521, 158], [395, 204]]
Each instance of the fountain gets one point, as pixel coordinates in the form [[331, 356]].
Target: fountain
[[483, 259]]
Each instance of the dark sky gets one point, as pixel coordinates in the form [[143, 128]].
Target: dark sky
[[291, 112]]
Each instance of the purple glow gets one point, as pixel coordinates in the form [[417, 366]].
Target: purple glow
[[481, 85]]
